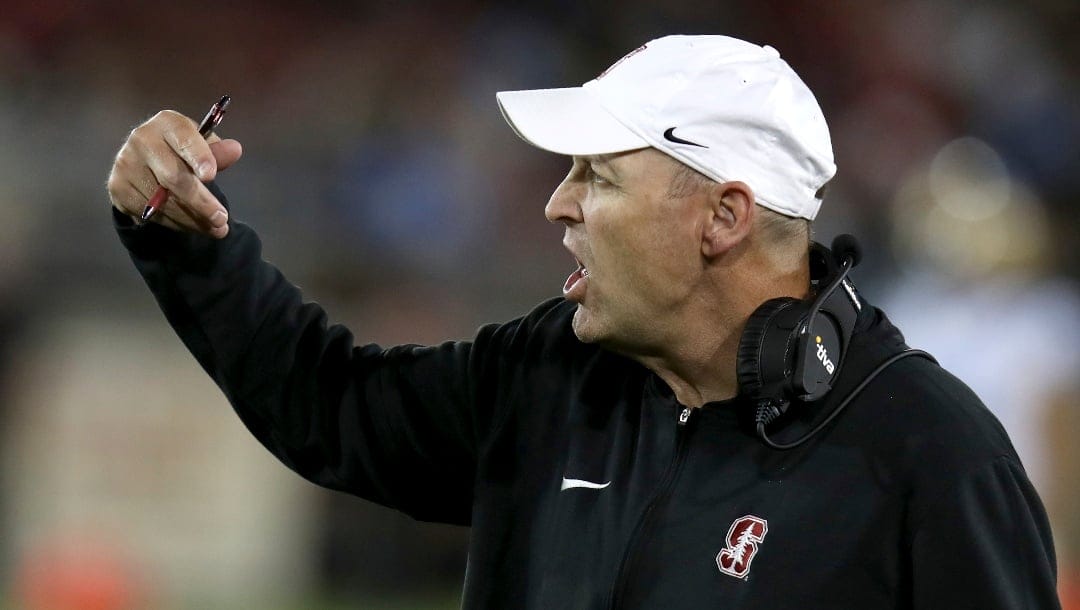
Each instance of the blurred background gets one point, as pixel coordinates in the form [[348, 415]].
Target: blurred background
[[384, 182]]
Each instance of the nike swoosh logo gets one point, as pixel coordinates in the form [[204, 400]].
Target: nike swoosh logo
[[670, 136], [572, 483]]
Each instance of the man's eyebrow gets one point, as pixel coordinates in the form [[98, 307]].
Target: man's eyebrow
[[602, 160]]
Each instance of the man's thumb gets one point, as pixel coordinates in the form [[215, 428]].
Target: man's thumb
[[226, 152]]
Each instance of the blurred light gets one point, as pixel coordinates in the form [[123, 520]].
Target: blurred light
[[965, 216], [969, 181]]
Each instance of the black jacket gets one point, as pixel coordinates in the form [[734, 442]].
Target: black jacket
[[587, 485]]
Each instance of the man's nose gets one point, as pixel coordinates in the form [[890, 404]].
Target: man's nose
[[564, 204]]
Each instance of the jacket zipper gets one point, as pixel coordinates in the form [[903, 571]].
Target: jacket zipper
[[662, 493]]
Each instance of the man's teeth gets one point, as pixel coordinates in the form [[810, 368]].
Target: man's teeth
[[584, 272]]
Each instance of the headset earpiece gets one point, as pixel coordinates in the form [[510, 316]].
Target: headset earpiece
[[792, 349], [765, 348]]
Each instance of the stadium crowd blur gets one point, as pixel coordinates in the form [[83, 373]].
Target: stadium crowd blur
[[384, 182]]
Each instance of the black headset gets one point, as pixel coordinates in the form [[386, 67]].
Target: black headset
[[794, 349]]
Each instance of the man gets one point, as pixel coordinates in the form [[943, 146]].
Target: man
[[603, 447]]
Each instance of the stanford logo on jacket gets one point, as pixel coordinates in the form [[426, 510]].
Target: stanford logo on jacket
[[742, 545]]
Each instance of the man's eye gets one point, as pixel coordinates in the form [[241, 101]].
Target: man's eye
[[596, 178]]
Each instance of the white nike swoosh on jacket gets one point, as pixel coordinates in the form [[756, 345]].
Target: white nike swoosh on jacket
[[572, 483]]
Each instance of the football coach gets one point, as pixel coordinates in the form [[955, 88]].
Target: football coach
[[710, 416]]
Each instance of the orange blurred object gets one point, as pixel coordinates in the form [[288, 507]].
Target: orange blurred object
[[76, 576], [1069, 589]]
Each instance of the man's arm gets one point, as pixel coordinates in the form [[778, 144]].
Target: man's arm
[[397, 426], [982, 541], [977, 536]]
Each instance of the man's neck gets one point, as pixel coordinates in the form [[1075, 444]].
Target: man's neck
[[698, 363]]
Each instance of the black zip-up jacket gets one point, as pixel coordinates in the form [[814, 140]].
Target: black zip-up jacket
[[585, 482]]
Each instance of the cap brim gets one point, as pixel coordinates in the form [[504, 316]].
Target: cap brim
[[566, 121]]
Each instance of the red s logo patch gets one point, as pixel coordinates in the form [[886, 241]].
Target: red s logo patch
[[742, 545]]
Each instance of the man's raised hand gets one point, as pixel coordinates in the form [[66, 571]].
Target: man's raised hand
[[168, 151]]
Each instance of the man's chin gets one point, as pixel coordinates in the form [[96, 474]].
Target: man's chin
[[584, 326]]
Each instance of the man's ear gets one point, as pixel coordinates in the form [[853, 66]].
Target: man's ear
[[731, 216]]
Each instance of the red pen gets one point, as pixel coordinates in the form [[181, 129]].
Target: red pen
[[209, 122]]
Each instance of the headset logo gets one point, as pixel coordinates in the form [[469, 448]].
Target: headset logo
[[823, 356]]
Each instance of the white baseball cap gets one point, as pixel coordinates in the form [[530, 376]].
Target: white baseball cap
[[730, 109]]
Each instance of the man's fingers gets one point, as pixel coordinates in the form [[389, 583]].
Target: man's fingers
[[130, 195], [173, 174], [200, 214], [179, 214], [129, 199], [183, 137], [170, 145], [204, 213]]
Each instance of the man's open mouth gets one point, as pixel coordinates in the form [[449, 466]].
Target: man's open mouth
[[574, 288]]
